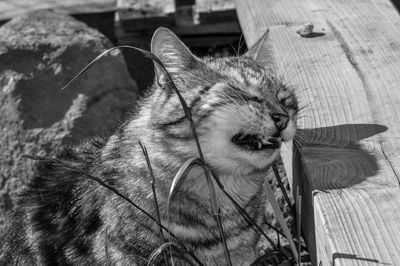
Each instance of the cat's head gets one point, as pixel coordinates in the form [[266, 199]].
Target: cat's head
[[241, 111]]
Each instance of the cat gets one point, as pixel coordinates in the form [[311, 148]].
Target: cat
[[242, 113]]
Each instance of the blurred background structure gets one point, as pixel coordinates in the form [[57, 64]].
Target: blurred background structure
[[208, 27]]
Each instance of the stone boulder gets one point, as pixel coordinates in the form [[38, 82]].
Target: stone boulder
[[39, 53]]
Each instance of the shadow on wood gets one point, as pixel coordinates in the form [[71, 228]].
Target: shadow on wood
[[336, 160], [355, 257], [335, 157]]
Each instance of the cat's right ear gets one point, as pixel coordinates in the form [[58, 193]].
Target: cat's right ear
[[172, 52], [261, 52]]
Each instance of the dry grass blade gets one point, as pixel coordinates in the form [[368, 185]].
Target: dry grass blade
[[278, 237], [146, 53], [106, 247], [298, 220], [272, 259], [153, 188], [154, 255], [282, 187], [246, 216], [182, 172], [279, 217], [216, 211], [114, 190], [152, 182]]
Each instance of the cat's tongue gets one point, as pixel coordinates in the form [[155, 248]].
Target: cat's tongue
[[270, 143], [255, 142]]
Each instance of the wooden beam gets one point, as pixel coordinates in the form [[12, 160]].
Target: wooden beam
[[348, 163], [184, 17], [186, 13]]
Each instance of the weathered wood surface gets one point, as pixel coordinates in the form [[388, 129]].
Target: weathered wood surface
[[348, 164], [13, 8]]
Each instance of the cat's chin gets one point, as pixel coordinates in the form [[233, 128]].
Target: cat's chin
[[257, 162], [263, 162]]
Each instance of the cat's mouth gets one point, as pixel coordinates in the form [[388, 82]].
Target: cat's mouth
[[255, 142]]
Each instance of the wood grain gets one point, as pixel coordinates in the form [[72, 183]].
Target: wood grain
[[349, 148]]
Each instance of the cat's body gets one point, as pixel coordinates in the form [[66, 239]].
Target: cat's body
[[241, 114]]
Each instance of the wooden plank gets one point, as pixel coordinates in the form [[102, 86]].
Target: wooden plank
[[349, 163], [13, 8], [156, 8], [186, 13]]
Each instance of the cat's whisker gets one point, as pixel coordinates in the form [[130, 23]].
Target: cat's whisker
[[232, 109], [309, 131], [236, 103], [239, 95], [300, 146], [300, 118], [246, 132], [301, 138], [285, 66], [240, 44], [299, 142], [302, 108]]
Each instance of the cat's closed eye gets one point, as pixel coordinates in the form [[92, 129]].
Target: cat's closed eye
[[286, 101], [286, 98]]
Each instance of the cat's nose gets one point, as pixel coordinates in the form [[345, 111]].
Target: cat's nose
[[280, 120]]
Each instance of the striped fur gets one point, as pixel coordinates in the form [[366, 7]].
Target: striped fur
[[64, 218]]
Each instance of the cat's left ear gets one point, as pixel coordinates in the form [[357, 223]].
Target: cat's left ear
[[261, 51], [172, 52]]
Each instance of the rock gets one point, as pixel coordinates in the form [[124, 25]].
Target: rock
[[306, 30], [39, 53]]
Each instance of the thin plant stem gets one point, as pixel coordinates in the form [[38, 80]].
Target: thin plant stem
[[244, 214], [279, 240], [298, 219], [282, 187], [106, 247], [115, 191], [153, 183], [280, 218]]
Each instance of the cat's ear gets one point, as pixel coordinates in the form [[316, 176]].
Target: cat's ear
[[261, 51], [172, 52]]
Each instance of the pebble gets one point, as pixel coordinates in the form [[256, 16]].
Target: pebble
[[306, 30]]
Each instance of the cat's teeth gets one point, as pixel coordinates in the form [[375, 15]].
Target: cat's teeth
[[259, 145]]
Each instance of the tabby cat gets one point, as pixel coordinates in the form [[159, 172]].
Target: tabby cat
[[241, 112]]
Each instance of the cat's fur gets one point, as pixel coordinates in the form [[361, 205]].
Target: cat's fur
[[64, 218]]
